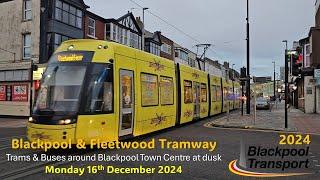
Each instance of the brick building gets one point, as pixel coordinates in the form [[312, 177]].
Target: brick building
[[167, 48]]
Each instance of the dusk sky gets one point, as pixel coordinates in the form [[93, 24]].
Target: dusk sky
[[222, 23]]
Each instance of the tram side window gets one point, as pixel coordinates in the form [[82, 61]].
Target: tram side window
[[149, 90], [225, 93], [231, 94], [218, 89], [100, 90], [203, 93], [166, 90], [187, 92], [213, 93]]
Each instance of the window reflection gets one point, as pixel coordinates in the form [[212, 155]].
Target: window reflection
[[100, 90]]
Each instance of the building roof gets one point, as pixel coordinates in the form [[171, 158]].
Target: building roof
[[126, 21], [154, 37], [79, 3], [95, 16]]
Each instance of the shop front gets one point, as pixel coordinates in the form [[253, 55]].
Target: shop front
[[15, 89]]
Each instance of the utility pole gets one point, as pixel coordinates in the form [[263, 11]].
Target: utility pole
[[206, 47], [248, 61], [286, 86], [274, 80], [232, 72], [142, 38]]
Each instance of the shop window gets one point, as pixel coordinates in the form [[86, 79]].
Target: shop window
[[166, 90], [203, 93], [187, 92], [14, 92], [149, 90], [3, 92]]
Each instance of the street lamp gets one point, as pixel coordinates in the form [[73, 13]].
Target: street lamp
[[286, 86], [142, 37], [248, 60], [274, 80], [232, 72], [143, 9]]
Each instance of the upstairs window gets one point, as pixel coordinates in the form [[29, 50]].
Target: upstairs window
[[27, 11], [26, 46], [183, 55], [166, 48], [91, 27], [68, 14]]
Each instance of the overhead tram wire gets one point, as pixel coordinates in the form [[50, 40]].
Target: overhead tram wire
[[173, 26], [168, 23]]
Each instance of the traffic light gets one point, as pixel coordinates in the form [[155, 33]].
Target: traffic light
[[243, 75], [297, 60], [243, 72]]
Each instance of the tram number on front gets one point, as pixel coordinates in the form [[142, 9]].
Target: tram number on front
[[294, 139]]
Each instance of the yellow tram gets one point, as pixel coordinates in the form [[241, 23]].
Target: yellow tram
[[103, 90]]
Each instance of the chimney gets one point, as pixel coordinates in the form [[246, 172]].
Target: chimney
[[139, 22]]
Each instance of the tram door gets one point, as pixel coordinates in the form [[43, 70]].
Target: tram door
[[196, 97], [126, 102]]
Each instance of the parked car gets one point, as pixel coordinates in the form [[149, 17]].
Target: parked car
[[262, 103]]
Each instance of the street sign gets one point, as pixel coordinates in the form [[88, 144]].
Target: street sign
[[262, 79]]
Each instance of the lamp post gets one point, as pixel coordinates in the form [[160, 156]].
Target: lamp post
[[142, 37], [274, 80], [232, 72], [248, 60], [286, 86], [143, 9]]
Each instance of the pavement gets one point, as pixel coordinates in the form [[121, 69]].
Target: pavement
[[13, 122], [273, 119]]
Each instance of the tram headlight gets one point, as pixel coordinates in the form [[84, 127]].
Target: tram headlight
[[65, 121], [30, 119]]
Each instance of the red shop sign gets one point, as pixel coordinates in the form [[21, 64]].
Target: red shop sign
[[3, 96], [20, 92]]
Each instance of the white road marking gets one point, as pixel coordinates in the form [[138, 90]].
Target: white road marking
[[208, 125]]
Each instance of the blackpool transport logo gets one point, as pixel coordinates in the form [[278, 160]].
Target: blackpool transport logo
[[236, 170], [268, 160]]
